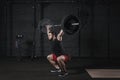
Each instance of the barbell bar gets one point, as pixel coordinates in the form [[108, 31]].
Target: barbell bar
[[74, 24], [70, 24]]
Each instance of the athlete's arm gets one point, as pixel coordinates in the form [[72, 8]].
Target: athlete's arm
[[49, 32], [59, 36]]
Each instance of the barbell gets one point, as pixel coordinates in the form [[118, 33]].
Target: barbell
[[70, 24]]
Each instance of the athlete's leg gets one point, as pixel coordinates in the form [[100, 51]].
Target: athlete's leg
[[61, 61], [53, 60]]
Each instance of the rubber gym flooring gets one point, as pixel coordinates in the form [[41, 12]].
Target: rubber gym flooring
[[39, 69]]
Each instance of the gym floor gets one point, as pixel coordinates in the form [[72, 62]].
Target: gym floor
[[38, 69]]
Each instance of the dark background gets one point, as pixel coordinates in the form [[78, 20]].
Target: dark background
[[99, 37]]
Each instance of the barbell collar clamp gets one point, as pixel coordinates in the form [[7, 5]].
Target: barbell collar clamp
[[74, 24]]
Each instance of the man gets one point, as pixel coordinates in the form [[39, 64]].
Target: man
[[57, 57]]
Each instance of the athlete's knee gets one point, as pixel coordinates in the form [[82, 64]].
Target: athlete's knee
[[49, 57], [59, 59]]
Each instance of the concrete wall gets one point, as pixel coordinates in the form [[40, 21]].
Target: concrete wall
[[98, 38]]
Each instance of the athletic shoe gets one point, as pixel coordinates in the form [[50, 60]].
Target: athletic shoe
[[56, 70], [63, 74]]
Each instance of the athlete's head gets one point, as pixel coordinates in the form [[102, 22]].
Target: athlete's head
[[46, 22]]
